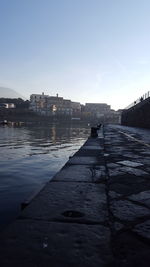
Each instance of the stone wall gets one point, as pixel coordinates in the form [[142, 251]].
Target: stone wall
[[137, 116]]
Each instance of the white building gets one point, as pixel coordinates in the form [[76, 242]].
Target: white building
[[53, 105]]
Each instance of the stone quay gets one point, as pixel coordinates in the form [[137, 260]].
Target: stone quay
[[94, 212]]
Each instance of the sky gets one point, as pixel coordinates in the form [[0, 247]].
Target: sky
[[90, 51]]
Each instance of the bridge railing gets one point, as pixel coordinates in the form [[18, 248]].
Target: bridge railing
[[139, 100]]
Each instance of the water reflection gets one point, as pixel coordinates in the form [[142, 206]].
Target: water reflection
[[30, 156], [53, 134]]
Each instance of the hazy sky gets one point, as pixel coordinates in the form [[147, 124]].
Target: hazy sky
[[84, 50]]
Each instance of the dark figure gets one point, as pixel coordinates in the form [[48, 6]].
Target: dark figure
[[94, 132], [98, 126]]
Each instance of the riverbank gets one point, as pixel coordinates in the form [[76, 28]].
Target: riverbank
[[17, 117], [94, 212], [25, 115]]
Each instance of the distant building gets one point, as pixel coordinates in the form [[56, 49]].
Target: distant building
[[97, 110], [58, 106], [7, 105], [76, 106], [119, 113], [54, 105], [37, 102]]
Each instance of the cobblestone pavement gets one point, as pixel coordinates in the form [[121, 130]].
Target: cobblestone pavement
[[128, 190], [95, 212]]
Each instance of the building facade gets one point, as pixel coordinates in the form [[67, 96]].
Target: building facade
[[64, 108], [97, 110], [54, 105]]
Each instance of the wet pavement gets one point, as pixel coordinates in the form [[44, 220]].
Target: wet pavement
[[95, 212]]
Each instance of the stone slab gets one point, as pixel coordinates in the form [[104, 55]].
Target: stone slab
[[91, 147], [130, 163], [83, 152], [39, 243], [113, 165], [83, 160], [128, 184], [93, 142], [98, 174], [127, 211], [142, 197], [60, 201], [131, 155], [143, 229], [113, 194], [135, 171], [74, 173], [130, 251], [115, 172], [81, 173], [118, 226]]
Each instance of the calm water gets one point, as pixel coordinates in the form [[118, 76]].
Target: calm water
[[29, 157]]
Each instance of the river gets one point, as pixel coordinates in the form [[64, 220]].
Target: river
[[29, 158]]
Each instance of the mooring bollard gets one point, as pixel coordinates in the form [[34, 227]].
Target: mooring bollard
[[94, 132]]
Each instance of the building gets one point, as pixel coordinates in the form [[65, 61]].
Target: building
[[38, 103], [97, 110], [76, 109], [54, 105], [59, 107], [7, 105]]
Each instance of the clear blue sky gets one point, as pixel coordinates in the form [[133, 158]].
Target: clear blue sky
[[84, 50]]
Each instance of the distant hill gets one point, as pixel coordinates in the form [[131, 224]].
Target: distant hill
[[9, 93]]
